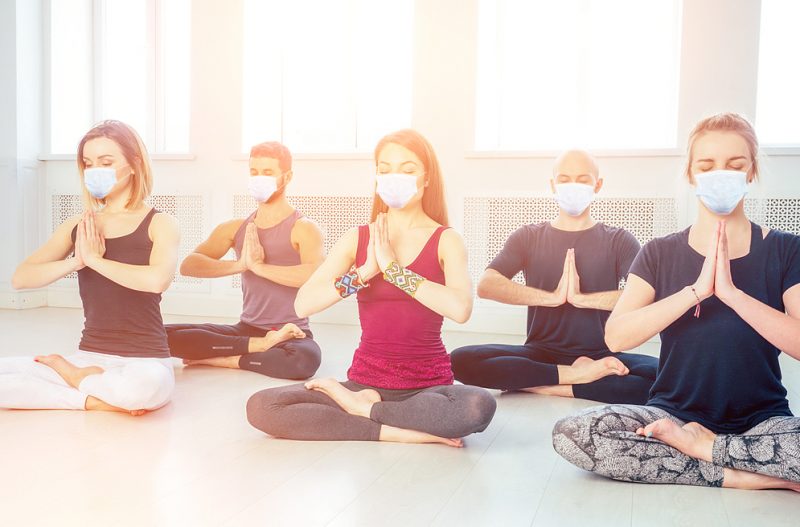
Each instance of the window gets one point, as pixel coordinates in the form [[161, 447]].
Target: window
[[326, 75], [120, 60], [588, 73], [778, 102]]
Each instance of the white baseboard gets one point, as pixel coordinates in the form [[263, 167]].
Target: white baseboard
[[22, 299]]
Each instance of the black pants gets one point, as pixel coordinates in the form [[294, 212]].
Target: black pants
[[291, 359], [506, 367]]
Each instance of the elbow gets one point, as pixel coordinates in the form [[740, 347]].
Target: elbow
[[17, 282], [613, 338], [300, 307], [463, 313], [161, 285], [483, 290]]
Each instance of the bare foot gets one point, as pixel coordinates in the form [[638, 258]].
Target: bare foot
[[275, 337], [68, 371], [219, 362], [693, 439], [559, 390], [585, 370], [93, 403], [354, 403], [739, 479], [402, 435]]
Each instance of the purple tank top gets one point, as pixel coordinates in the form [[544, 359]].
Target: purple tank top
[[401, 339], [119, 320], [266, 304]]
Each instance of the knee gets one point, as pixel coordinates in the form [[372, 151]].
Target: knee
[[571, 435], [307, 357], [149, 386], [460, 359], [261, 408], [480, 406]]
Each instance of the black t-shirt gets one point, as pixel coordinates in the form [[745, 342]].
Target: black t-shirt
[[603, 255], [716, 369]]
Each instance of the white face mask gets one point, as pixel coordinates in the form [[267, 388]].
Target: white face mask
[[721, 190], [573, 198], [99, 181], [396, 190], [262, 187]]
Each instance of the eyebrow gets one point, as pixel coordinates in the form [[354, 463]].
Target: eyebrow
[[729, 160], [401, 164]]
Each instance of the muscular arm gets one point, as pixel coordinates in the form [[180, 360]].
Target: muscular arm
[[307, 237], [205, 261], [497, 287], [156, 276], [604, 300], [318, 292], [49, 262]]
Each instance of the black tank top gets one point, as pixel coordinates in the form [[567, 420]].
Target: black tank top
[[119, 320]]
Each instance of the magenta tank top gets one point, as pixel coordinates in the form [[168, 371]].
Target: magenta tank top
[[119, 320], [266, 304], [401, 339]]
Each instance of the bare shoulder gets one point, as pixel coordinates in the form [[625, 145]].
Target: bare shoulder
[[451, 245], [164, 222], [306, 226]]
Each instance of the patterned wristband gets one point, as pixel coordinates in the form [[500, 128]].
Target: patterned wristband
[[349, 283], [406, 280]]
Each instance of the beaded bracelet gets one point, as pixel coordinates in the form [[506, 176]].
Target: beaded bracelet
[[697, 307], [406, 280], [349, 283]]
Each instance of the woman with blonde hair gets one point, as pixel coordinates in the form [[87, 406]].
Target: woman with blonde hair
[[408, 270], [724, 295], [125, 253]]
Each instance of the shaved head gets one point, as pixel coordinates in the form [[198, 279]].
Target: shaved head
[[575, 163]]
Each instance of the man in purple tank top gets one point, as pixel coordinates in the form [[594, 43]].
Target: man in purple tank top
[[277, 250]]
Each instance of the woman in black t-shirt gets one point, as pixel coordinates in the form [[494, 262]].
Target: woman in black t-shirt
[[724, 295]]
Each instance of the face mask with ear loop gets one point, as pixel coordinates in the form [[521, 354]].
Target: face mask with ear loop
[[100, 181], [721, 190], [574, 198], [396, 190]]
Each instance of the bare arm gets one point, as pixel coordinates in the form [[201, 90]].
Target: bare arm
[[49, 262], [307, 236], [205, 261], [319, 293], [156, 276], [497, 287], [782, 330], [453, 299], [636, 317], [603, 300]]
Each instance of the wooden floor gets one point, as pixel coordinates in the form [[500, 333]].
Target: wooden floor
[[197, 462]]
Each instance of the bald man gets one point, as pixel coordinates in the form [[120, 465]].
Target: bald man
[[573, 266]]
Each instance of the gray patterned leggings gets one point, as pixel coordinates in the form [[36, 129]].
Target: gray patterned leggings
[[603, 440]]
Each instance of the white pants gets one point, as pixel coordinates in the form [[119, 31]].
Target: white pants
[[131, 383]]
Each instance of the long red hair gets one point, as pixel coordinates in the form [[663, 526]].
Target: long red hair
[[433, 202]]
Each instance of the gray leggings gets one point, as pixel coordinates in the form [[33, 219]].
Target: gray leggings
[[603, 439], [293, 412]]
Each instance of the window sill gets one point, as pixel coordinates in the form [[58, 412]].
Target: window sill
[[153, 157]]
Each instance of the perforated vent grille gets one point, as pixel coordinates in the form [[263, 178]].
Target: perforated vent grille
[[776, 213], [488, 222], [188, 210]]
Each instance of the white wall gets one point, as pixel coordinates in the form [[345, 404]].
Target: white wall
[[719, 63], [21, 174]]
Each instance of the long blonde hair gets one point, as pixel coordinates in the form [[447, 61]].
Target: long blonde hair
[[135, 154]]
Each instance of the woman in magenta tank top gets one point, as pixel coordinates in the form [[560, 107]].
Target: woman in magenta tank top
[[125, 256], [409, 271]]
